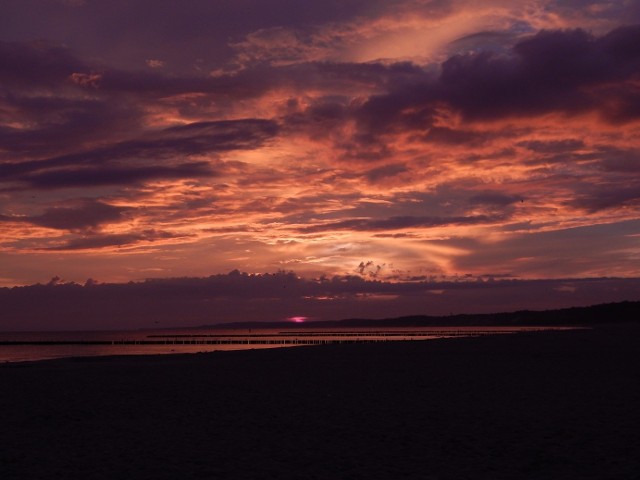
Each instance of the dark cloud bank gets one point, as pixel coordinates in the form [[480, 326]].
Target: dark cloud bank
[[239, 297], [159, 155], [568, 72]]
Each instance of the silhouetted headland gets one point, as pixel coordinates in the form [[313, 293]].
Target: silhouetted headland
[[608, 313]]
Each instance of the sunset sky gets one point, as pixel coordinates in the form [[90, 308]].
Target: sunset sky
[[398, 141]]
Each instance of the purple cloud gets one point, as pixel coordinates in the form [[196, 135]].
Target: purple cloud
[[180, 302], [92, 241], [124, 162], [110, 175], [553, 71], [89, 214], [394, 223]]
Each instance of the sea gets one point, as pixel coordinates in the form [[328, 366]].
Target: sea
[[38, 346]]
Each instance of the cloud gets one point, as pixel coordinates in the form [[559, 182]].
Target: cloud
[[603, 197], [382, 173], [418, 134], [97, 241], [615, 160], [87, 214], [545, 73], [36, 63], [108, 175], [553, 252], [50, 123], [553, 146], [180, 36], [155, 63], [567, 72], [86, 79], [451, 136], [494, 198], [112, 164], [400, 222]]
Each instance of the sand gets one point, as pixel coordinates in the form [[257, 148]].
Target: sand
[[528, 406]]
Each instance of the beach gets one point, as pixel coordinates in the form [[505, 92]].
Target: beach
[[538, 405]]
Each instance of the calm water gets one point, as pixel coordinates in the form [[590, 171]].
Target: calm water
[[30, 346]]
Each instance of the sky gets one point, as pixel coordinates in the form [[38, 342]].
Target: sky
[[396, 142]]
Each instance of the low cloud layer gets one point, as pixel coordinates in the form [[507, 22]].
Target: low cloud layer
[[236, 296]]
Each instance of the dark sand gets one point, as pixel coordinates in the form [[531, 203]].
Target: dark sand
[[550, 405]]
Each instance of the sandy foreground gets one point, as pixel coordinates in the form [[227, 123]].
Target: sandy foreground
[[540, 405]]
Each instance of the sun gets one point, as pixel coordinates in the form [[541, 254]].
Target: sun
[[297, 319]]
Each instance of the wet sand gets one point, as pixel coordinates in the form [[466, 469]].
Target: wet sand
[[527, 406]]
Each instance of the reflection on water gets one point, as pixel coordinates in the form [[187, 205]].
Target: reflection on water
[[29, 346]]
